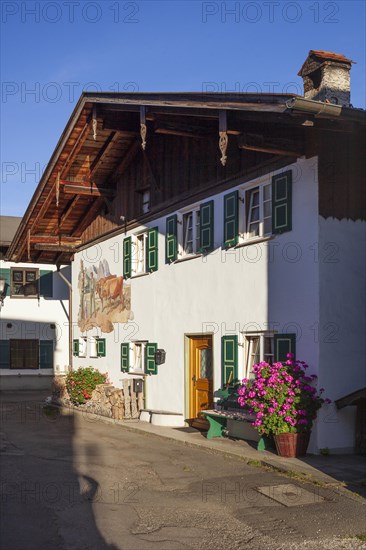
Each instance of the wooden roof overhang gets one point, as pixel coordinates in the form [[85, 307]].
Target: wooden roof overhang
[[104, 134]]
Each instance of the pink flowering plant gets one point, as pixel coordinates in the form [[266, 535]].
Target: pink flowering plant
[[282, 397]]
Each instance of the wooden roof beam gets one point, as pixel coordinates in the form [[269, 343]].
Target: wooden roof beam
[[76, 148], [270, 150], [55, 247], [266, 144], [54, 239], [69, 210], [181, 133], [86, 188], [103, 151]]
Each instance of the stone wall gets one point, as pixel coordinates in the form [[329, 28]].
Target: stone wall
[[106, 400]]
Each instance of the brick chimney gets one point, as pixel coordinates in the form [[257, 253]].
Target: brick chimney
[[326, 77]]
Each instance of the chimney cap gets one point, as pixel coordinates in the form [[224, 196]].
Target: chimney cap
[[325, 56]]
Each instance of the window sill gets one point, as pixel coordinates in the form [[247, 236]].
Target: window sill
[[21, 296], [256, 240], [138, 275], [188, 257]]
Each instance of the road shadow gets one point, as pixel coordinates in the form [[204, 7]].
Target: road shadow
[[350, 470], [45, 501]]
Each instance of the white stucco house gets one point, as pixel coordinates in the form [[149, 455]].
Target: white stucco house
[[33, 319], [206, 232]]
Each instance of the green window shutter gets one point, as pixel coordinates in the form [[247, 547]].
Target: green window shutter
[[229, 365], [5, 274], [125, 357], [231, 219], [207, 226], [46, 354], [284, 344], [282, 202], [4, 354], [75, 348], [101, 347], [127, 258], [150, 365], [171, 239], [46, 283], [152, 249]]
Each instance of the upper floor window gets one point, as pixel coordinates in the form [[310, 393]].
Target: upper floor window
[[258, 211], [190, 232], [24, 282], [139, 254], [191, 241], [145, 198]]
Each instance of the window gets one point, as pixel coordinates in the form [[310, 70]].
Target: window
[[257, 347], [24, 282], [79, 347], [24, 354], [145, 198], [97, 347], [191, 233], [138, 357], [139, 254], [258, 211]]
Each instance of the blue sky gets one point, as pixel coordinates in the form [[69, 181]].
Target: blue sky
[[52, 50]]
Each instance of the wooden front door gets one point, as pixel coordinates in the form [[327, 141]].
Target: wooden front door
[[200, 376]]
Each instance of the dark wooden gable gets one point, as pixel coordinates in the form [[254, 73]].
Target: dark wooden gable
[[94, 182]]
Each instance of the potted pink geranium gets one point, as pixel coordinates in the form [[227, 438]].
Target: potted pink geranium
[[285, 403]]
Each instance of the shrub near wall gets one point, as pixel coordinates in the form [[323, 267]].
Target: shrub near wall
[[82, 382]]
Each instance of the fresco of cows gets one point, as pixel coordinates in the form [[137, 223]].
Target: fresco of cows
[[104, 298]]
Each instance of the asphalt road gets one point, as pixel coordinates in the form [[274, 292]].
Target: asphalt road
[[72, 482]]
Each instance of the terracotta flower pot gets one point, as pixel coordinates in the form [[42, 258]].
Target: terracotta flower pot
[[292, 445]]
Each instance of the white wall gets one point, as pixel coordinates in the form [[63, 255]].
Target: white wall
[[342, 333], [31, 318], [223, 293]]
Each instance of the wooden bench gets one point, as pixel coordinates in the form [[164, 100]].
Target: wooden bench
[[218, 424]]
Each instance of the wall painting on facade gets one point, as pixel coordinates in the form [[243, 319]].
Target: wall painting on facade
[[104, 298]]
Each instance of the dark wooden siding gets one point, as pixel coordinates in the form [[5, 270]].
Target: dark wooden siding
[[342, 177], [172, 167]]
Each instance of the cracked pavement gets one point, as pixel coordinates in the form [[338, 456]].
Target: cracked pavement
[[72, 482]]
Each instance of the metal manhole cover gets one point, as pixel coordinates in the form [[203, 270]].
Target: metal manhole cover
[[291, 495]]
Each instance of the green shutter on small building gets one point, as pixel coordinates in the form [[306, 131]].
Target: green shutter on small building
[[46, 283], [207, 226], [152, 249], [229, 364], [171, 239], [127, 257], [101, 347], [125, 357], [75, 347], [46, 354], [282, 202], [284, 344], [150, 365], [231, 219], [5, 274], [4, 354]]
